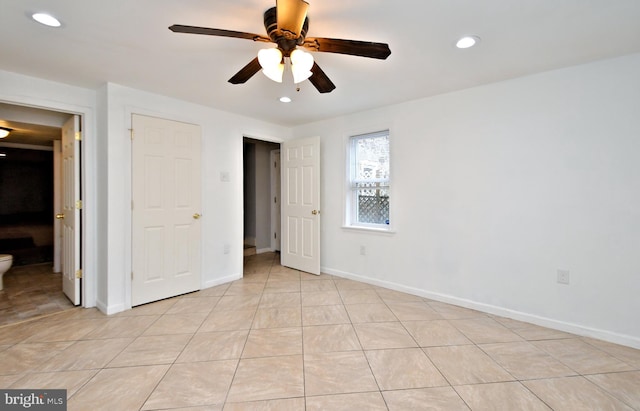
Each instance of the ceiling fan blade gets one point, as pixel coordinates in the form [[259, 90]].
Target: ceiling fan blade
[[179, 28], [352, 47], [246, 72], [291, 15], [320, 80]]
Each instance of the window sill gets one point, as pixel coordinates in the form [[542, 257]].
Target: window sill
[[368, 229]]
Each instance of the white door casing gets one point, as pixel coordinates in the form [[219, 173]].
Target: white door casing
[[166, 207], [276, 181], [300, 166], [71, 204]]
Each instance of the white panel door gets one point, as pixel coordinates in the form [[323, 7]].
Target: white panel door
[[300, 166], [70, 215], [166, 194]]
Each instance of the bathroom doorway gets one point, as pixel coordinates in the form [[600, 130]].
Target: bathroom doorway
[[30, 180], [261, 196]]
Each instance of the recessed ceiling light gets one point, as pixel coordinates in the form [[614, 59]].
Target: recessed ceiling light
[[467, 41], [46, 19], [285, 99]]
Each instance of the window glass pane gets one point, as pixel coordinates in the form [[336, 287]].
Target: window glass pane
[[372, 206], [370, 178]]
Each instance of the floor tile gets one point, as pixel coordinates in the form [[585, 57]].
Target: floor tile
[[289, 404], [122, 327], [175, 324], [154, 308], [500, 396], [466, 364], [574, 393], [267, 378], [321, 298], [345, 284], [404, 368], [392, 296], [220, 345], [117, 389], [324, 315], [485, 330], [360, 297], [330, 338], [282, 287], [627, 354], [525, 361], [245, 288], [436, 399], [238, 302], [375, 336], [582, 357], [157, 349], [625, 386], [193, 384], [87, 354], [369, 401], [193, 305], [435, 333], [452, 312], [71, 381], [228, 320], [337, 373], [281, 317], [413, 311], [369, 313], [319, 285], [280, 300], [273, 342], [29, 356], [531, 332]]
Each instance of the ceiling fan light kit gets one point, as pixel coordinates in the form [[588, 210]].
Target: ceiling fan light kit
[[287, 25], [4, 131]]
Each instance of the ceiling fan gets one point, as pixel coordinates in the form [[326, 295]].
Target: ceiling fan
[[287, 25]]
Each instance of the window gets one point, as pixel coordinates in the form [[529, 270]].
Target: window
[[368, 196]]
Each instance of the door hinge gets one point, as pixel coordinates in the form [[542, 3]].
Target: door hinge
[[275, 200], [79, 204], [78, 136], [131, 133], [79, 273], [275, 236], [131, 275]]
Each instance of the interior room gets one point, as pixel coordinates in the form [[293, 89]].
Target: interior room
[[499, 271]]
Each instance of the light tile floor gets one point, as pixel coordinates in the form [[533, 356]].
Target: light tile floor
[[280, 339]]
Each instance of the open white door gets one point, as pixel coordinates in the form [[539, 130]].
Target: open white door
[[71, 205], [166, 193], [300, 246]]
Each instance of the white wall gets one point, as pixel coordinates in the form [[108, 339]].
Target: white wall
[[495, 188], [222, 205]]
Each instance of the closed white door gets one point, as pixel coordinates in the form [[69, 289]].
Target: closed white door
[[71, 205], [166, 207], [300, 165]]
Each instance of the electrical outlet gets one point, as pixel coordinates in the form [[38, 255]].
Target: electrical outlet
[[563, 277], [363, 250]]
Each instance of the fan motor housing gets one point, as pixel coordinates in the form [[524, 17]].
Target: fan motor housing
[[285, 44]]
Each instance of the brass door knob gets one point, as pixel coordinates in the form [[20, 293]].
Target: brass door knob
[[315, 212], [196, 216], [60, 216]]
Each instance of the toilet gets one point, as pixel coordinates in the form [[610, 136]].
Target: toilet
[[5, 263]]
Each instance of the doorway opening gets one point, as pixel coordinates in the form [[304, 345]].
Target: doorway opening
[[30, 183], [261, 170]]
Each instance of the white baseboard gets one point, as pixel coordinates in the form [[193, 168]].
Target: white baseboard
[[109, 309], [264, 250], [222, 280], [605, 335]]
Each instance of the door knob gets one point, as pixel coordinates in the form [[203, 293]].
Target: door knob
[[196, 216], [315, 212], [60, 216]]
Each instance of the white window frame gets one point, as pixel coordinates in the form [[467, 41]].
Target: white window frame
[[351, 202]]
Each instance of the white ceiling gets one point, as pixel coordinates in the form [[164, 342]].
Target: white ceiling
[[127, 42]]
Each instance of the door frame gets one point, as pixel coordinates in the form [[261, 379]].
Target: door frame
[[88, 172], [276, 194]]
